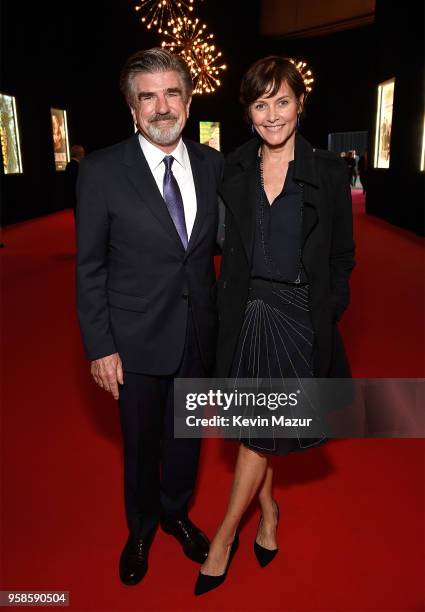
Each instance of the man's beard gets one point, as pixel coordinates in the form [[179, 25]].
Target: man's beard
[[166, 134]]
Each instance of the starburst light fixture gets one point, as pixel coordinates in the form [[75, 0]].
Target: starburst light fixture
[[184, 35], [205, 68], [305, 72], [189, 39], [161, 14]]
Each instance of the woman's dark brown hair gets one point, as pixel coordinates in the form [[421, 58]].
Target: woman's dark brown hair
[[265, 77]]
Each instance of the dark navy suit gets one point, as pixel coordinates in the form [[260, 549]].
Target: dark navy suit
[[142, 295]]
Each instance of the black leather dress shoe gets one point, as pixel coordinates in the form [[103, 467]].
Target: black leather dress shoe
[[134, 559], [195, 543]]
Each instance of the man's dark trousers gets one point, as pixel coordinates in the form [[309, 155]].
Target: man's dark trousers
[[159, 470]]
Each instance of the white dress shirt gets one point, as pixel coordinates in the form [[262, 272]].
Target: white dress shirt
[[182, 171]]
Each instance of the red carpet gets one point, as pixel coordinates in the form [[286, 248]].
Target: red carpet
[[352, 512]]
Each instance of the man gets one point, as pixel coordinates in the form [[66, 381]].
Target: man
[[71, 174], [351, 166], [363, 170], [147, 222]]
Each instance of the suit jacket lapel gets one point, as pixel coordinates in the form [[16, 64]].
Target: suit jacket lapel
[[140, 176], [201, 180]]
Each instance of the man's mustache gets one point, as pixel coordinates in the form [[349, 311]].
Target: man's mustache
[[159, 117]]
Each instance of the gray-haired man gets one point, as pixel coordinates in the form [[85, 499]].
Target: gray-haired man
[[146, 222]]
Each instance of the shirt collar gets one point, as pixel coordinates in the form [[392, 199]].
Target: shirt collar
[[154, 155]]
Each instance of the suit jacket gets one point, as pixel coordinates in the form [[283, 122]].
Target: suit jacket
[[327, 249], [135, 281]]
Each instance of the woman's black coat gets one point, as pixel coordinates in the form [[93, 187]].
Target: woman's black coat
[[327, 249]]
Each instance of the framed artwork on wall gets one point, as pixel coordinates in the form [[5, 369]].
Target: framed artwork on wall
[[9, 135], [384, 117], [60, 138], [209, 134]]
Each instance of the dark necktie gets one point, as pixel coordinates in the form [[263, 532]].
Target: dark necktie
[[174, 201]]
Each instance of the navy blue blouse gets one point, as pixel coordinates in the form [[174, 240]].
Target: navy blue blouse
[[278, 227]]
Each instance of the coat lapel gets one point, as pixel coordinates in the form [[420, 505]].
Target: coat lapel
[[239, 192], [140, 176], [305, 173]]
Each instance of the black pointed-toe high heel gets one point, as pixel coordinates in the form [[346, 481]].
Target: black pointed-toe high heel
[[265, 555], [205, 583]]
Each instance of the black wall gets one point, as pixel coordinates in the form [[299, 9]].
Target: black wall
[[69, 56], [397, 193]]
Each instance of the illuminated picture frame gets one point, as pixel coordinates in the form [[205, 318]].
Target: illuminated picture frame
[[209, 134], [9, 135], [60, 138], [384, 118]]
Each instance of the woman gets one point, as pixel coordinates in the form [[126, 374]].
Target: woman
[[287, 256]]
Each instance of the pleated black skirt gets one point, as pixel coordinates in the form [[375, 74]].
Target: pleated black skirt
[[276, 342]]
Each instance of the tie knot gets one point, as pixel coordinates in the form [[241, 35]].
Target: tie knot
[[168, 161]]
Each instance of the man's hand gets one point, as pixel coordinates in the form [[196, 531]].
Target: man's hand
[[107, 373]]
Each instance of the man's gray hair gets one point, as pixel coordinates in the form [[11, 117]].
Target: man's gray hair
[[151, 61]]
